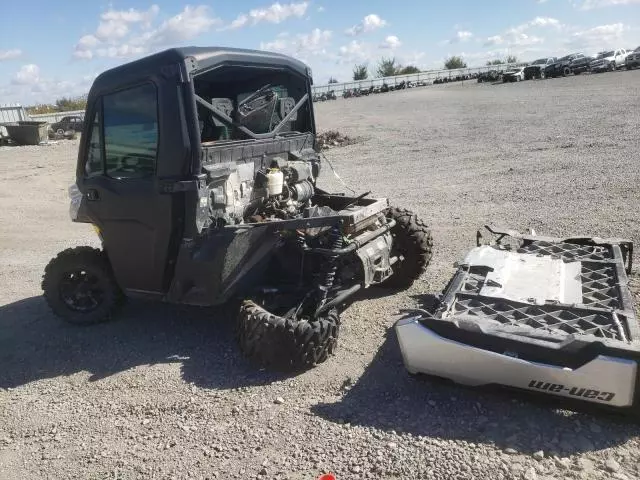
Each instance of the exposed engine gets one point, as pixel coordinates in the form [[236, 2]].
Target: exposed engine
[[268, 190]]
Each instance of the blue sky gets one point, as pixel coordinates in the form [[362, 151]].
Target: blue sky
[[48, 51]]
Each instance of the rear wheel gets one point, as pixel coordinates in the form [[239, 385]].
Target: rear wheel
[[80, 288], [285, 342], [566, 71], [542, 75], [411, 240]]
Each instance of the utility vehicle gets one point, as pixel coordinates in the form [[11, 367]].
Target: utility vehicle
[[198, 167]]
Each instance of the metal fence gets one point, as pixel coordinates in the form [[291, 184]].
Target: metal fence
[[17, 113], [12, 114], [428, 77]]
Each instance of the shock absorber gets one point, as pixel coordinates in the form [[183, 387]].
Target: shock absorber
[[329, 271]]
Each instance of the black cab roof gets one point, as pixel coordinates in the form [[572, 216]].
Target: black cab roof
[[201, 58]]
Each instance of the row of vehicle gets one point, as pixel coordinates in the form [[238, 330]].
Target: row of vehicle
[[575, 64], [384, 88], [549, 67]]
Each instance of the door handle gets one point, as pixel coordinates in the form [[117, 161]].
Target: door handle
[[92, 195]]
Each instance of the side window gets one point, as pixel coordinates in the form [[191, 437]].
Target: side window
[[94, 165], [131, 132]]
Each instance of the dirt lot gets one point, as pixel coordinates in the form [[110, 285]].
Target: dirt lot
[[164, 393]]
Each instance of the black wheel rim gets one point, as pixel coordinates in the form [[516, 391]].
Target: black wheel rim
[[81, 291]]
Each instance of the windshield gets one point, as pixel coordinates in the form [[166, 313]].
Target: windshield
[[239, 103], [606, 54], [541, 61]]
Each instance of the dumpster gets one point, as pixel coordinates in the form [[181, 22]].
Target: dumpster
[[28, 132]]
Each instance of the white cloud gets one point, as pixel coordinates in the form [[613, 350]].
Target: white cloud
[[544, 22], [87, 42], [494, 40], [188, 24], [597, 38], [121, 51], [115, 24], [320, 9], [83, 54], [368, 24], [111, 31], [591, 4], [536, 22], [313, 43], [460, 36], [27, 75], [391, 42], [276, 13], [354, 51], [10, 54], [29, 86], [518, 36], [131, 16], [114, 37]]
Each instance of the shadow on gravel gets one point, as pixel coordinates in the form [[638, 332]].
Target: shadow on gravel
[[35, 345], [388, 398]]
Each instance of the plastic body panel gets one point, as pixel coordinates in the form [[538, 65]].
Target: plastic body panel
[[485, 331]]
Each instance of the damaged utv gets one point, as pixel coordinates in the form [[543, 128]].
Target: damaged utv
[[198, 168]]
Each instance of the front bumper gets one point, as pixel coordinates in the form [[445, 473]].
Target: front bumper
[[633, 61], [532, 72], [549, 315], [607, 380], [600, 67]]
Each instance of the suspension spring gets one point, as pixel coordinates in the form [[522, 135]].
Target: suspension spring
[[329, 274]]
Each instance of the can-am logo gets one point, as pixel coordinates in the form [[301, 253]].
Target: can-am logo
[[585, 393]]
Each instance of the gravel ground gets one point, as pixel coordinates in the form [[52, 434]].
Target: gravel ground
[[164, 393]]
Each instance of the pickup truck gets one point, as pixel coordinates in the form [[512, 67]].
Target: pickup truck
[[609, 61], [536, 68], [562, 67], [581, 64], [633, 59]]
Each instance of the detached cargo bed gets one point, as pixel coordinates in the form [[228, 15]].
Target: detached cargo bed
[[552, 315]]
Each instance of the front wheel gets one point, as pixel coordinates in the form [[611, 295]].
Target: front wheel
[[287, 342], [566, 71], [80, 288], [412, 241]]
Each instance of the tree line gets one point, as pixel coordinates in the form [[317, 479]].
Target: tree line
[[64, 104], [388, 67]]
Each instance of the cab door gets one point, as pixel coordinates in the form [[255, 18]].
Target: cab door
[[120, 188]]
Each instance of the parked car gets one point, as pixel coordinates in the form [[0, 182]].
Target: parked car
[[633, 59], [536, 69], [561, 67], [609, 61], [580, 64], [71, 123], [513, 75], [490, 76]]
